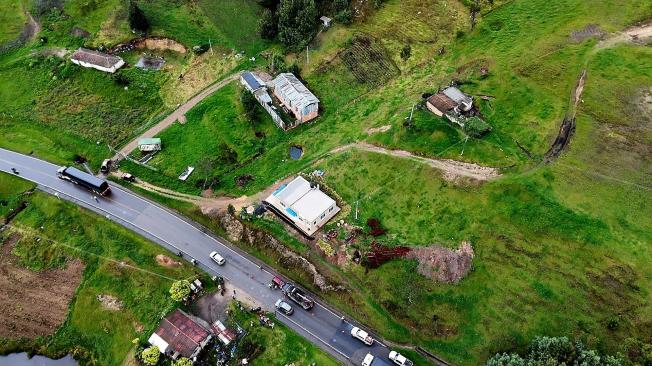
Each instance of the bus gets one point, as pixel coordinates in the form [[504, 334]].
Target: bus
[[85, 180]]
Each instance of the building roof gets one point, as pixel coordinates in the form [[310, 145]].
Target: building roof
[[96, 58], [182, 333], [324, 18], [442, 102], [287, 85], [252, 80], [313, 204], [457, 96], [300, 199], [149, 141]]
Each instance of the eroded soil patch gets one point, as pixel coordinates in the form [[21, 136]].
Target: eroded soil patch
[[33, 304], [443, 264]]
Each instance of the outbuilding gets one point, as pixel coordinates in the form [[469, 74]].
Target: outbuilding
[[149, 144], [303, 205], [325, 21], [296, 97], [181, 335], [97, 60]]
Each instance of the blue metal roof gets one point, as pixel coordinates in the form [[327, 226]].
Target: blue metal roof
[[251, 80], [291, 212], [279, 189]]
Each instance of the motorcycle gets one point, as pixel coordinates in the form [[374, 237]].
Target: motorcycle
[[15, 171]]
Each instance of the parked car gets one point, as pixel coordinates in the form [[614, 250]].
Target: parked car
[[399, 359], [128, 177], [217, 258], [284, 307], [296, 295], [368, 359], [362, 335], [106, 166]]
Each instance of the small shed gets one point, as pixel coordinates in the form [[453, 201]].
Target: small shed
[[326, 21], [97, 60], [149, 144]]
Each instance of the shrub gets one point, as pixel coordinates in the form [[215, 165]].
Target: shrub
[[406, 52], [475, 127], [268, 25], [180, 290], [150, 356], [137, 19]]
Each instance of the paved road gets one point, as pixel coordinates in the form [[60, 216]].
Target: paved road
[[321, 326], [178, 113]]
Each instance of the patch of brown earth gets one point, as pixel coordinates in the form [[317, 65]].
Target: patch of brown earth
[[443, 264], [109, 302], [33, 304], [372, 130], [166, 261]]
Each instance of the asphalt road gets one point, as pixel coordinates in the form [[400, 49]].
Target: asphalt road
[[321, 325]]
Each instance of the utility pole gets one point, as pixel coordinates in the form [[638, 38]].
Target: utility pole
[[356, 210], [307, 58], [210, 45]]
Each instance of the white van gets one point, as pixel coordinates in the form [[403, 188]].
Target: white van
[[368, 359], [217, 258]]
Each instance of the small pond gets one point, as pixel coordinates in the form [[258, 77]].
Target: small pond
[[296, 152], [21, 359]]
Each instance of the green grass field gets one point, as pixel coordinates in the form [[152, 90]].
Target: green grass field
[[12, 19]]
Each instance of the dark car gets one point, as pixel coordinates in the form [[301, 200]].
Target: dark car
[[296, 295]]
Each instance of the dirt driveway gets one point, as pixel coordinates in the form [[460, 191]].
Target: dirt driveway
[[178, 114], [33, 304]]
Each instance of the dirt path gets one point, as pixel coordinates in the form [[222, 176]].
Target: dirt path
[[208, 204], [452, 169], [640, 34], [32, 28], [178, 114]]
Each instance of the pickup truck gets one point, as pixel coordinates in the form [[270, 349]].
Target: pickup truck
[[362, 335], [296, 295], [368, 360], [399, 359]]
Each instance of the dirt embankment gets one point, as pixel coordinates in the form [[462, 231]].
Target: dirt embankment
[[33, 304], [567, 127], [443, 264], [150, 43]]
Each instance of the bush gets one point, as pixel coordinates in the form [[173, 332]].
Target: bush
[[137, 19], [150, 356], [406, 52], [180, 290], [296, 22], [475, 127], [268, 25]]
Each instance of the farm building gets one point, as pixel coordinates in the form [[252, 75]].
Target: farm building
[[296, 97], [149, 144], [181, 335], [302, 204], [96, 60], [251, 81], [449, 99]]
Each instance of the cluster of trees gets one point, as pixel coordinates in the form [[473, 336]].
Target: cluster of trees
[[292, 22], [137, 19], [555, 351]]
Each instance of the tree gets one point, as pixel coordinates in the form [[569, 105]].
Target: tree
[[296, 22], [205, 167], [180, 290], [137, 19], [249, 104], [150, 355], [506, 359], [268, 25], [343, 12], [182, 362], [406, 52]]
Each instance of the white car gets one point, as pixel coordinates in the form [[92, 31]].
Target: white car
[[399, 359], [217, 258], [368, 359], [362, 335]]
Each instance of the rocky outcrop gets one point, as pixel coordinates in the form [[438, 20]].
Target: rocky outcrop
[[237, 231]]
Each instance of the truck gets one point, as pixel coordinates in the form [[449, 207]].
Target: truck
[[296, 295], [90, 182], [399, 359], [362, 335], [368, 360]]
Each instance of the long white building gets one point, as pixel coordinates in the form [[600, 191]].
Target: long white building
[[304, 205]]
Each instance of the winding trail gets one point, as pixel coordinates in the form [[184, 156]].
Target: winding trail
[[452, 169], [177, 115]]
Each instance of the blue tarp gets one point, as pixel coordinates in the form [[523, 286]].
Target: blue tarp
[[279, 189], [291, 212]]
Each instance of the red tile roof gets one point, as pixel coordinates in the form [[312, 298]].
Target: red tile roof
[[442, 102], [182, 333]]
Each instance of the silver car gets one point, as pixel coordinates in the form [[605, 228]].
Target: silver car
[[284, 307]]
